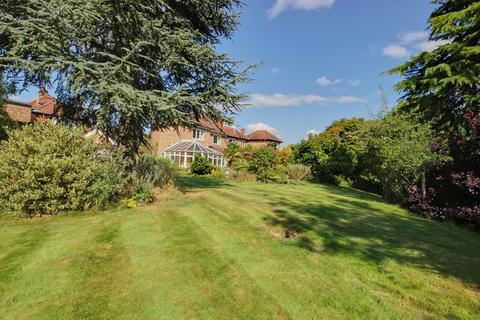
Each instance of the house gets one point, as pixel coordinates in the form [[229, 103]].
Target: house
[[41, 109], [210, 140]]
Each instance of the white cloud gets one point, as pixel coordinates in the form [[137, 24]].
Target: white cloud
[[284, 100], [411, 37], [396, 51], [275, 71], [257, 100], [354, 83], [349, 100], [311, 132], [261, 126], [431, 45], [412, 41], [324, 81], [306, 5]]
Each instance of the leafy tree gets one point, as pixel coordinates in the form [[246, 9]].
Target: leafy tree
[[442, 86], [284, 155], [395, 150], [3, 114], [346, 129], [326, 155], [124, 66], [233, 152], [6, 123]]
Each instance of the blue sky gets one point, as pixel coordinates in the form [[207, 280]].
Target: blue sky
[[323, 60]]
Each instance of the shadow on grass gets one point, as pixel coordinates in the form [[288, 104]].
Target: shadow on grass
[[199, 182], [370, 231]]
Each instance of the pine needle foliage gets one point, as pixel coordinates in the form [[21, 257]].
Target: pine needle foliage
[[126, 65], [443, 85]]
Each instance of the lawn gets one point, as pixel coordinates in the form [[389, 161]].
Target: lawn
[[241, 251]]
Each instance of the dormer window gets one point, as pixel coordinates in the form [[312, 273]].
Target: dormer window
[[197, 134], [217, 139]]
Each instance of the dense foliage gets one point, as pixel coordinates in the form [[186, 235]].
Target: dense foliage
[[149, 173], [264, 164], [385, 155], [327, 155], [5, 121], [124, 66], [201, 165], [47, 169], [442, 87], [395, 151]]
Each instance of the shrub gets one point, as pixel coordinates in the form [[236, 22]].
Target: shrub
[[244, 176], [263, 164], [327, 155], [149, 172], [217, 172], [160, 172], [46, 169], [298, 172], [201, 166], [109, 179]]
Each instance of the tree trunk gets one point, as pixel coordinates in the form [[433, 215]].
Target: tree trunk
[[424, 186]]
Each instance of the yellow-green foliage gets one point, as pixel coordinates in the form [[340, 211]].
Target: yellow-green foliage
[[46, 169]]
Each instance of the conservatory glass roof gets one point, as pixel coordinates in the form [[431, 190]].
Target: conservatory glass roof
[[191, 146]]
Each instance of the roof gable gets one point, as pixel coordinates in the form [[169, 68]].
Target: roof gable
[[263, 135]]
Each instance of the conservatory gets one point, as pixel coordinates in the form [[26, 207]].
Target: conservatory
[[183, 152]]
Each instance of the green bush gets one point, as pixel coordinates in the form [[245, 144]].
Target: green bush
[[201, 166], [109, 179], [297, 172], [46, 169], [244, 176], [149, 172], [263, 164], [327, 155], [217, 173], [160, 172]]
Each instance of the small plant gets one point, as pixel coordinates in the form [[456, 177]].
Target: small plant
[[201, 166]]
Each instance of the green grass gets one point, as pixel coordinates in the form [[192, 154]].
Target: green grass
[[219, 252]]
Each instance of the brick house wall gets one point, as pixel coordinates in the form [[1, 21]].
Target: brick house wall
[[258, 144], [162, 139]]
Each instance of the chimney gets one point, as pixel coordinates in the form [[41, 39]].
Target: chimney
[[242, 130]]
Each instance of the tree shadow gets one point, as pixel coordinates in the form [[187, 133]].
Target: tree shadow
[[198, 182], [371, 231]]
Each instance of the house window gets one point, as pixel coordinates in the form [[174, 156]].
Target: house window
[[197, 134], [217, 139]]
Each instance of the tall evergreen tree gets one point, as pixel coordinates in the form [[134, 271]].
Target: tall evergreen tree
[[443, 85], [124, 65]]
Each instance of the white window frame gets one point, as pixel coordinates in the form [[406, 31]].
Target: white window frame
[[218, 138], [198, 134]]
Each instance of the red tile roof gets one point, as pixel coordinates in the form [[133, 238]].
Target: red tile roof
[[43, 103], [263, 135], [222, 128]]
